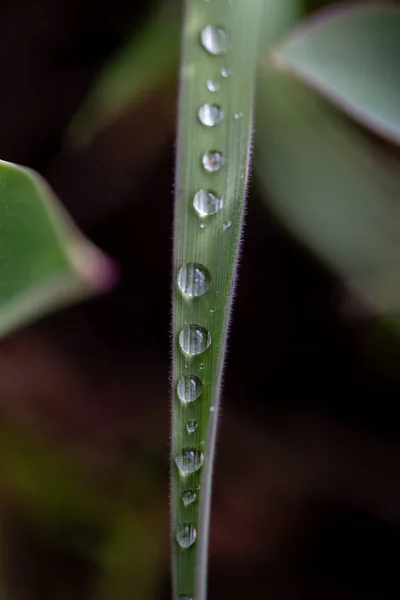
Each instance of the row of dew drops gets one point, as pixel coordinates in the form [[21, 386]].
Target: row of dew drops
[[194, 280]]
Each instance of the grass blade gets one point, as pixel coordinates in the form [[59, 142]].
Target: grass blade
[[223, 78]]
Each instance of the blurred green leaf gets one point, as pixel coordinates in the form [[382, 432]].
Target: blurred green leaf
[[45, 263], [352, 57], [146, 61], [336, 191]]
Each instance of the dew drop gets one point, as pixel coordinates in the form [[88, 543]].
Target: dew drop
[[191, 426], [214, 39], [201, 366], [193, 280], [226, 72], [194, 339], [212, 309], [238, 115], [188, 497], [213, 85], [210, 114], [189, 460], [212, 408], [186, 535], [207, 203], [189, 388], [227, 225], [213, 161], [202, 225]]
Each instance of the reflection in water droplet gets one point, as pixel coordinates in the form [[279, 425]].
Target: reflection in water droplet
[[189, 388], [186, 535], [238, 115], [210, 114], [207, 203], [191, 426], [189, 460], [193, 280], [213, 86], [213, 161], [214, 39], [226, 72], [194, 339], [188, 497], [226, 225]]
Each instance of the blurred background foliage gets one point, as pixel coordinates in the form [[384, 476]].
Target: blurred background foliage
[[89, 100]]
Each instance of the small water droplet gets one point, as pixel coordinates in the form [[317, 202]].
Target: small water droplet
[[213, 85], [202, 225], [201, 366], [194, 339], [239, 115], [212, 309], [210, 114], [186, 365], [193, 280], [198, 487], [227, 225], [213, 161], [186, 535], [212, 408], [191, 426], [188, 497], [226, 72], [189, 388], [189, 460], [207, 203], [214, 39]]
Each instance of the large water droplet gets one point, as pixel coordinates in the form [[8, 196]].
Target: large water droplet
[[188, 497], [213, 85], [189, 388], [194, 339], [191, 426], [210, 114], [213, 161], [193, 280], [207, 203], [215, 40], [186, 535], [189, 460]]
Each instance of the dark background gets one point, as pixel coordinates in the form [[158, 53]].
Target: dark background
[[306, 496]]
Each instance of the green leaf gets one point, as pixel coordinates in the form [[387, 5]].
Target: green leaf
[[142, 65], [45, 263], [338, 193], [211, 241], [352, 57]]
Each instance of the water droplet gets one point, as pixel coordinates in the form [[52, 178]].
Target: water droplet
[[207, 203], [213, 161], [226, 225], [186, 535], [188, 497], [202, 225], [184, 596], [198, 486], [194, 339], [201, 366], [226, 72], [212, 309], [213, 86], [189, 388], [214, 39], [239, 115], [193, 280], [210, 114], [189, 460], [191, 426], [186, 365], [212, 408]]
